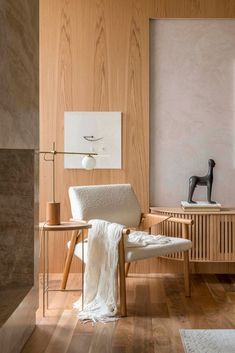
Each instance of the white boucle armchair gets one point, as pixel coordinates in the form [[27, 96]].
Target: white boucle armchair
[[118, 203]]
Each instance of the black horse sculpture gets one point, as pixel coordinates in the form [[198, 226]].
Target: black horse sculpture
[[206, 180]]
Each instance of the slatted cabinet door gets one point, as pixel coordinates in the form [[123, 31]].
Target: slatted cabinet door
[[212, 234]]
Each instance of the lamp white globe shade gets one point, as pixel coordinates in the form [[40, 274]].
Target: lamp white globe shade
[[88, 162]]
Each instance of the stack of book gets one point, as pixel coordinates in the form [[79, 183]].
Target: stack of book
[[200, 206]]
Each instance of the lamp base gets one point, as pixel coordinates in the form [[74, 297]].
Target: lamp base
[[53, 213]]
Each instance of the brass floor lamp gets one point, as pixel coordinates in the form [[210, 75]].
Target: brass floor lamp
[[53, 207]]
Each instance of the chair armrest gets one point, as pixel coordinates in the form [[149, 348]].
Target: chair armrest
[[186, 223], [180, 220], [125, 231], [149, 220]]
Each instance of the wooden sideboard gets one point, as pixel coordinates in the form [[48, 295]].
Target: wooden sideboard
[[212, 234]]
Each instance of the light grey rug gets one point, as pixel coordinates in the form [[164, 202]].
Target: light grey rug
[[208, 341]]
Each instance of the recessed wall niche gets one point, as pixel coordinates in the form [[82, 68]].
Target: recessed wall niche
[[192, 103]]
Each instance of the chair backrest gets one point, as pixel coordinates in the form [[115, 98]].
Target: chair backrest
[[114, 203]]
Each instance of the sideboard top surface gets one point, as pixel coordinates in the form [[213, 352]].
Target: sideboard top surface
[[179, 210]]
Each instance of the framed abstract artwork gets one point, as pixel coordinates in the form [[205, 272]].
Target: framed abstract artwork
[[95, 132]]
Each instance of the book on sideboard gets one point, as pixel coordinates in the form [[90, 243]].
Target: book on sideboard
[[201, 206]]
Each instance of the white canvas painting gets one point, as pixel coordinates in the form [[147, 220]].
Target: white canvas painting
[[98, 132]]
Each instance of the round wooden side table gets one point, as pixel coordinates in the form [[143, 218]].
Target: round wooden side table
[[78, 228]]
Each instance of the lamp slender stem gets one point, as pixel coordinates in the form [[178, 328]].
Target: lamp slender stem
[[53, 173], [53, 178]]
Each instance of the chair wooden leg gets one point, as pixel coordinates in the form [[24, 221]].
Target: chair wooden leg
[[187, 274], [122, 278], [69, 258], [128, 264]]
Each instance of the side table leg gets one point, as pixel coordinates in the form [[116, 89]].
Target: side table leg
[[82, 269], [47, 270], [43, 272], [69, 258]]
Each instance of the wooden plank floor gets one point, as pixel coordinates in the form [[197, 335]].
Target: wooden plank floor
[[157, 309]]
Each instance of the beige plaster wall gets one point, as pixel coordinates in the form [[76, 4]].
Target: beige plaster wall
[[192, 108]]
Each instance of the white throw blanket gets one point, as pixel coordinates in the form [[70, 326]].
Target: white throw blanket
[[141, 239], [100, 286], [100, 279]]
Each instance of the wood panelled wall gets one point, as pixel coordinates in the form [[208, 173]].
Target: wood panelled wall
[[94, 56]]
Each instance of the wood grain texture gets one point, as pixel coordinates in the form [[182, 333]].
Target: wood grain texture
[[95, 56], [157, 309]]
